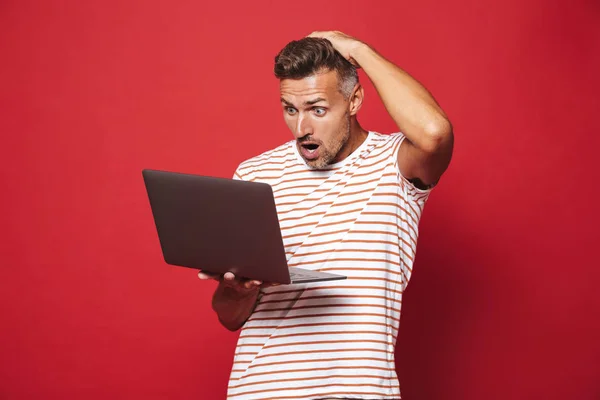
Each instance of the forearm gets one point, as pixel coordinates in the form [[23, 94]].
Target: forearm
[[232, 306], [411, 106]]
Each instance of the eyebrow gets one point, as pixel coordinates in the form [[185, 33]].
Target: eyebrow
[[306, 103]]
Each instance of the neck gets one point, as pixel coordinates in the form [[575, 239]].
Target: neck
[[357, 133], [356, 138]]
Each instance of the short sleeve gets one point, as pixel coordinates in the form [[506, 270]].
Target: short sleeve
[[419, 195], [244, 172], [237, 174]]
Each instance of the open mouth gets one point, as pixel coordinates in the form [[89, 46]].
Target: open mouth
[[310, 151]]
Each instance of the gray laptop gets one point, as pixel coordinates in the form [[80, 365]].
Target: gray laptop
[[219, 225]]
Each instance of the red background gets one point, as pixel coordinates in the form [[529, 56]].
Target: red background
[[503, 303]]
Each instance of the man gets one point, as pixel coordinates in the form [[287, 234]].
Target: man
[[349, 201]]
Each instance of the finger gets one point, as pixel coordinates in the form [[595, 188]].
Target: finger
[[353, 62], [251, 284], [317, 34], [269, 284], [204, 275], [229, 276]]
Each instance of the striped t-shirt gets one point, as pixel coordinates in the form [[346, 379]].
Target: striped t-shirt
[[358, 218]]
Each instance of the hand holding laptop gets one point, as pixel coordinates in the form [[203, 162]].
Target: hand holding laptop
[[230, 280]]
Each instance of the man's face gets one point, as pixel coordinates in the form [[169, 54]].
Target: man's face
[[318, 116]]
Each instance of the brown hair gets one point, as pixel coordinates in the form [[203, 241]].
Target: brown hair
[[308, 56]]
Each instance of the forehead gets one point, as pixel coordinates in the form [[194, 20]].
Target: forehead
[[322, 84]]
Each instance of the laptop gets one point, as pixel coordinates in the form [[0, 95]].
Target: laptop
[[218, 225]]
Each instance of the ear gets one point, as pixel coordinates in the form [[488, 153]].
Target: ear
[[356, 99]]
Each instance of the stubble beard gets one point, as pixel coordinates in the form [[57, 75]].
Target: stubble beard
[[329, 154]]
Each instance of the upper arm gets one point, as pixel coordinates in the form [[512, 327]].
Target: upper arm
[[424, 168]]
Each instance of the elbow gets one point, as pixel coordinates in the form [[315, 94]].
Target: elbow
[[436, 135], [232, 328], [230, 325], [225, 318]]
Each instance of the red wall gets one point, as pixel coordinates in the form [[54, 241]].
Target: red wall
[[503, 303]]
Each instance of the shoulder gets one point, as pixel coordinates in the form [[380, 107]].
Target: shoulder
[[387, 139], [395, 139], [247, 168], [386, 144]]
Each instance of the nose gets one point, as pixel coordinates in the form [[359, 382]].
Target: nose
[[303, 126]]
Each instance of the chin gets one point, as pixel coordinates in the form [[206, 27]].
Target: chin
[[314, 164], [319, 163]]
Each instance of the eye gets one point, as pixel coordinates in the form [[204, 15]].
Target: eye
[[319, 111], [290, 110]]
